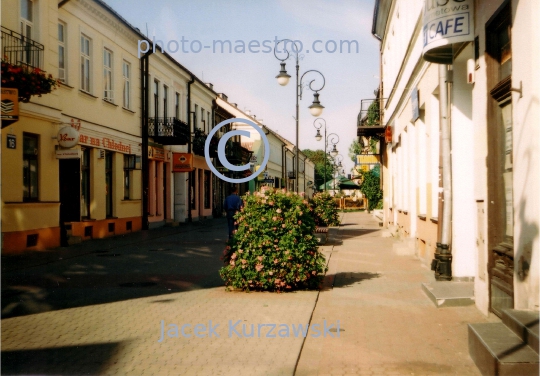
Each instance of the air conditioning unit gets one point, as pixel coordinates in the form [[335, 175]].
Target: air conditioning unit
[[101, 154]]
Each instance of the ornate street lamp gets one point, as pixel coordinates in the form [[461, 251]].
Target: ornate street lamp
[[283, 78], [332, 138]]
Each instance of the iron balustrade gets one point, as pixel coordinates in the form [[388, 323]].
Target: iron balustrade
[[20, 50], [168, 131]]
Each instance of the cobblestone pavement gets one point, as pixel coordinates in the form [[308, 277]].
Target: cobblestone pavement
[[98, 308]]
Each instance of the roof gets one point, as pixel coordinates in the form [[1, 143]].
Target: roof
[[380, 18]]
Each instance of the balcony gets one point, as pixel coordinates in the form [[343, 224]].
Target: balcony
[[168, 131], [236, 154], [368, 121], [20, 50]]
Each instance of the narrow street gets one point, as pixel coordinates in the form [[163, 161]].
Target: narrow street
[[91, 309]]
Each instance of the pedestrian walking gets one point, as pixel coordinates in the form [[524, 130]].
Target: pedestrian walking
[[232, 204]]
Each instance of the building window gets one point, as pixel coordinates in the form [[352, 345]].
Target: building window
[[109, 183], [165, 100], [85, 183], [30, 167], [62, 52], [208, 120], [131, 162], [202, 120], [108, 93], [156, 98], [126, 75], [27, 18], [207, 189], [195, 125], [177, 105], [85, 64]]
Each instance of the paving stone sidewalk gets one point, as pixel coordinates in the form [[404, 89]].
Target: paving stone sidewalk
[[97, 308], [390, 326]]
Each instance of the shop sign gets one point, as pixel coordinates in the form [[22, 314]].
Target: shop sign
[[156, 153], [68, 153], [388, 134], [10, 106], [67, 137], [11, 141], [446, 22], [105, 143], [182, 162]]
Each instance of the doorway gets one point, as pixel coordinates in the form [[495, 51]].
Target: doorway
[[70, 194]]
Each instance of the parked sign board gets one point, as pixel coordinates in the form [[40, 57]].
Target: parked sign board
[[10, 106]]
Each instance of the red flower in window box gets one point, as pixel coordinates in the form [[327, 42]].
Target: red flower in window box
[[29, 81]]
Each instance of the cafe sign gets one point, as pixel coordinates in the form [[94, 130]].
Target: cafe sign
[[182, 162], [445, 23], [67, 137]]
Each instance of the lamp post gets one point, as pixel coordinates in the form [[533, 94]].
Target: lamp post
[[332, 137], [283, 79], [337, 158]]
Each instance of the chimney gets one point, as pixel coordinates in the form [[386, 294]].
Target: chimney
[[223, 96], [211, 86]]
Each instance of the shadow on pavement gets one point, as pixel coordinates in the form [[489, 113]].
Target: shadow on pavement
[[344, 279], [170, 264], [83, 360]]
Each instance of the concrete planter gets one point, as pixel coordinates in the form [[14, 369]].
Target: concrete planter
[[321, 233]]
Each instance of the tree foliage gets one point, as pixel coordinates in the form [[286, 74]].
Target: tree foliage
[[371, 188], [318, 158]]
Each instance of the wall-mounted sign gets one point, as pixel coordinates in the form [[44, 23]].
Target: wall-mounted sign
[[156, 153], [444, 24], [414, 103], [388, 134], [11, 141], [10, 106], [68, 137], [182, 162], [68, 153]]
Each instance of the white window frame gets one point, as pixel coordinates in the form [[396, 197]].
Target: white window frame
[[108, 75], [26, 23], [126, 77], [86, 64], [62, 72]]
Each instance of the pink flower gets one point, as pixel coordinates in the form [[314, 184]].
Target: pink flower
[[313, 272], [233, 256], [286, 252], [278, 211], [271, 203], [301, 213], [271, 273], [299, 222], [258, 267], [274, 218], [244, 262], [283, 225], [232, 262], [260, 258], [276, 261], [240, 251]]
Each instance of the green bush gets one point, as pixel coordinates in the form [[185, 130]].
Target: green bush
[[370, 187], [274, 247], [325, 210]]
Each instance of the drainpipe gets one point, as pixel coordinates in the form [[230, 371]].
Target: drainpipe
[[144, 133], [190, 219], [442, 264]]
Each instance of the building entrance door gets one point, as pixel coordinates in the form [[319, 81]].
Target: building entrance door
[[70, 190]]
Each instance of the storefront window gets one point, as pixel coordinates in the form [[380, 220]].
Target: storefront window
[[30, 167], [85, 183]]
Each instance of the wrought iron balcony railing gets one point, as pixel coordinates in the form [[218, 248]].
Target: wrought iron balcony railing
[[18, 49], [168, 131]]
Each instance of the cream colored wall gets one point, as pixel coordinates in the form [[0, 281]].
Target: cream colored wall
[[123, 44], [526, 149]]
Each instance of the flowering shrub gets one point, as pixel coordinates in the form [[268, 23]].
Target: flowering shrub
[[29, 81], [274, 247], [325, 210]]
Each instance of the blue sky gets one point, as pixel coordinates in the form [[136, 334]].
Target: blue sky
[[249, 78]]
